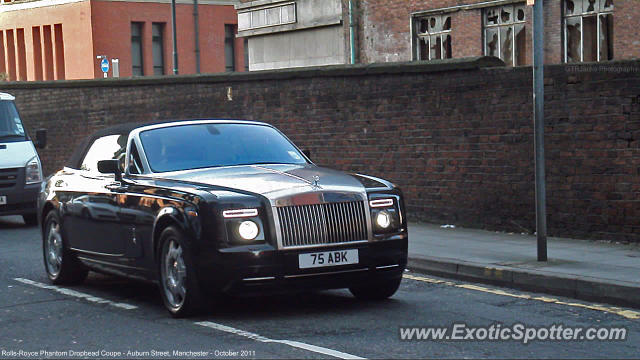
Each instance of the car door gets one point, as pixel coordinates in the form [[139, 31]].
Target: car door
[[136, 208], [91, 219]]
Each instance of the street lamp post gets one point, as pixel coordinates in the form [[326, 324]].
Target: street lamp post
[[175, 38], [538, 111]]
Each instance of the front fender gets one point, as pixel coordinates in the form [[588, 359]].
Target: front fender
[[167, 216]]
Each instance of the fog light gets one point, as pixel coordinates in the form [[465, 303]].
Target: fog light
[[383, 219], [248, 230]]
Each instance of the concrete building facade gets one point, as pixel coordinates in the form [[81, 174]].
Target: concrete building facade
[[298, 33], [60, 39]]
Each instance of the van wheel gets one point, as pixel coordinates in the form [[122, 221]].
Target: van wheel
[[61, 264], [179, 285]]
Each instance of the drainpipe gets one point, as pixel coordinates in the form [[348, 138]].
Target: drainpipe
[[197, 35], [352, 38]]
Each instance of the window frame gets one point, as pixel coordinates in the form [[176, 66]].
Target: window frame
[[159, 39], [512, 24], [596, 13], [138, 38], [232, 41], [417, 36]]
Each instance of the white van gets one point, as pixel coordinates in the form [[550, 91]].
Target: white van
[[20, 168]]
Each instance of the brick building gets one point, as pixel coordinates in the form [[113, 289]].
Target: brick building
[[405, 30], [575, 30], [60, 39]]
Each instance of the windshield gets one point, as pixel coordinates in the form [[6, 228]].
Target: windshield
[[10, 124], [196, 146]]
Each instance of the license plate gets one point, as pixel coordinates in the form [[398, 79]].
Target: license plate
[[328, 258], [3, 200]]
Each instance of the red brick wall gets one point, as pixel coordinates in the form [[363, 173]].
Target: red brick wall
[[458, 140], [626, 20]]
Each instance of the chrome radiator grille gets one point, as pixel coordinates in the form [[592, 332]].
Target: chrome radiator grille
[[321, 224]]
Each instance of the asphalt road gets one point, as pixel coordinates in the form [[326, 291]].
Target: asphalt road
[[112, 317]]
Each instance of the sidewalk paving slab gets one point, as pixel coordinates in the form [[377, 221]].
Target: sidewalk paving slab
[[584, 269]]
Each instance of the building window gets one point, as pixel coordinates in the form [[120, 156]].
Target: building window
[[432, 37], [157, 30], [505, 34], [267, 16], [230, 47], [136, 49], [588, 26], [246, 54]]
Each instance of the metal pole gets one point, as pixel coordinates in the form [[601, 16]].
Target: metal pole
[[197, 34], [352, 38], [175, 37], [538, 113]]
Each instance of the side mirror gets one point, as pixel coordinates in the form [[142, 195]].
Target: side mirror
[[111, 166], [41, 138], [307, 153]]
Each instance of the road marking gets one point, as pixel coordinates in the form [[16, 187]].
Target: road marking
[[260, 338], [76, 294], [629, 314]]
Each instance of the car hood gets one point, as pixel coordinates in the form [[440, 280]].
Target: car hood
[[272, 181]]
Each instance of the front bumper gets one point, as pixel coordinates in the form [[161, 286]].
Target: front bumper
[[21, 200], [253, 272]]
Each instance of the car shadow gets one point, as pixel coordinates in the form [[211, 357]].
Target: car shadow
[[265, 307], [297, 304]]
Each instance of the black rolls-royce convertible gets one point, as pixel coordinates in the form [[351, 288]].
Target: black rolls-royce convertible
[[213, 207]]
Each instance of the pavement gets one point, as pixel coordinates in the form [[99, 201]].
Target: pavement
[[584, 269]]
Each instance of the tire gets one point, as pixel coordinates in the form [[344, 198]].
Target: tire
[[30, 219], [376, 290], [179, 286], [61, 265]]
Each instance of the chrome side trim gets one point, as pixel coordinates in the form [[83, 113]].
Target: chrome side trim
[[95, 253], [110, 264], [260, 278], [324, 273], [387, 267]]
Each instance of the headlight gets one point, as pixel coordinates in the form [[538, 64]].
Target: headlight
[[248, 230], [383, 219], [385, 215], [33, 173]]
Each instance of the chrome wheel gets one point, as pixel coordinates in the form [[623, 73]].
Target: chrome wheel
[[174, 275], [53, 249]]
